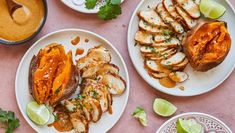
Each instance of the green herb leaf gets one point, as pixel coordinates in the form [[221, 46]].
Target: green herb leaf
[[90, 4], [140, 114], [8, 118], [57, 91], [115, 2], [109, 11]]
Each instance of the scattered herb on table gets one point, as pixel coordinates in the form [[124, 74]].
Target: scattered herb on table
[[140, 114], [9, 120], [109, 11]]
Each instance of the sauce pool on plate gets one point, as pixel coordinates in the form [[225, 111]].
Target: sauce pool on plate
[[76, 40], [167, 82]]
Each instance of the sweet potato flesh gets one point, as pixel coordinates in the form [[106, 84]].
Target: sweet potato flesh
[[208, 46], [52, 74]]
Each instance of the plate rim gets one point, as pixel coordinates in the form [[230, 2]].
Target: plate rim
[[193, 113], [150, 83], [33, 126], [92, 11]]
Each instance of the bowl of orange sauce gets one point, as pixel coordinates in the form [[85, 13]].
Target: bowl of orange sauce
[[24, 24]]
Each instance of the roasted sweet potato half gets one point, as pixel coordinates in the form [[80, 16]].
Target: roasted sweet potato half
[[52, 75], [207, 45]]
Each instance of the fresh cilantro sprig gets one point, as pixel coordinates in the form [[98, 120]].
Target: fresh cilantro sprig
[[8, 119], [109, 11]]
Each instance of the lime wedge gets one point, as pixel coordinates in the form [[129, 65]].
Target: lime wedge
[[188, 126], [39, 114], [141, 115], [211, 9], [163, 107]]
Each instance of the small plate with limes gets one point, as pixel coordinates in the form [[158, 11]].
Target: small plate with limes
[[194, 122]]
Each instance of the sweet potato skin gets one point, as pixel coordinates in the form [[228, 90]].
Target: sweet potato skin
[[32, 68], [207, 45]]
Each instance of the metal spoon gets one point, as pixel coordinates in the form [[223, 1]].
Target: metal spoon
[[12, 6]]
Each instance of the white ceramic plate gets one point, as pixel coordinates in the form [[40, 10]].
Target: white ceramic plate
[[199, 82], [79, 5], [64, 37], [209, 123]]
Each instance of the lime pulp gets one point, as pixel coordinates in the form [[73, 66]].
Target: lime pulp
[[188, 126], [163, 107], [211, 9], [39, 114]]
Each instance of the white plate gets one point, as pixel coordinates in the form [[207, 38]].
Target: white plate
[[79, 5], [64, 37], [199, 82], [208, 122]]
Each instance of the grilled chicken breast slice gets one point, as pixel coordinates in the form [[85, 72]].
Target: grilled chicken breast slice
[[190, 7], [190, 22], [175, 59], [168, 19], [152, 29], [172, 42], [152, 18]]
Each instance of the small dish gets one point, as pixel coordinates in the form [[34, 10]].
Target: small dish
[[208, 122], [34, 34], [79, 5]]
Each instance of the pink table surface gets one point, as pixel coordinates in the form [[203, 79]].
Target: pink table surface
[[219, 102]]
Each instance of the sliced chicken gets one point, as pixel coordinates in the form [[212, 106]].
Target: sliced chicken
[[181, 65], [158, 38], [95, 110], [152, 65], [172, 42], [77, 106], [149, 49], [99, 53], [170, 7], [175, 59], [96, 54], [168, 19], [187, 19], [79, 122], [115, 83], [157, 75], [84, 61], [190, 7], [94, 91], [152, 29], [178, 77], [155, 67], [91, 69], [152, 18], [144, 38], [108, 68], [161, 55]]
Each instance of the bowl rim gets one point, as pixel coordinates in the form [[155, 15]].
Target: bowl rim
[[5, 42]]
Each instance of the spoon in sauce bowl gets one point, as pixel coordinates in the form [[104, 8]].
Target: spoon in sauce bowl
[[19, 13]]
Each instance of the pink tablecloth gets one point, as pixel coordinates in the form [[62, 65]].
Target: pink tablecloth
[[219, 102]]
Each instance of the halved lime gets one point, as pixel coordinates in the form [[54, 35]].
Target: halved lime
[[163, 107], [188, 126], [211, 9], [39, 114], [141, 115]]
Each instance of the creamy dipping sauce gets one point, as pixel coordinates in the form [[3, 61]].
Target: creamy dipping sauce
[[24, 22]]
